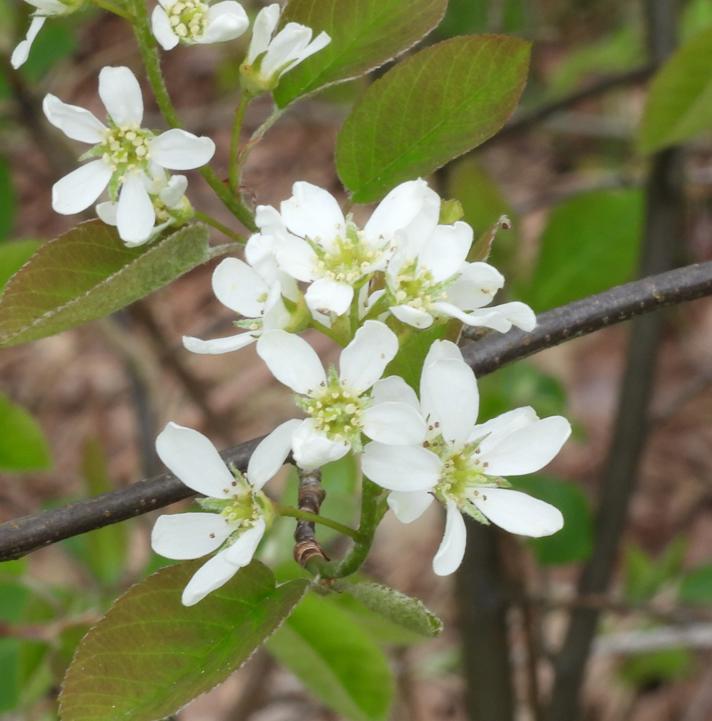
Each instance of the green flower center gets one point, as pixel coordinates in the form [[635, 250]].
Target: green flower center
[[126, 149], [349, 260], [416, 288], [188, 19]]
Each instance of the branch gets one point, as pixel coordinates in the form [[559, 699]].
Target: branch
[[21, 536]]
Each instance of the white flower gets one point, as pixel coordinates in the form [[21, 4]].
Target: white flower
[[125, 156], [340, 406], [255, 290], [268, 57], [239, 511], [44, 9], [462, 463], [429, 278], [196, 22], [314, 243]]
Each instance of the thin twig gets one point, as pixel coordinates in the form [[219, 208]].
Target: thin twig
[[311, 496]]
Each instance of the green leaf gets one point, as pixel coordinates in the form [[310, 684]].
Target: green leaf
[[22, 444], [406, 611], [7, 201], [590, 244], [645, 576], [653, 668], [696, 586], [679, 106], [574, 541], [435, 105], [150, 655], [364, 34], [335, 659], [89, 273], [414, 346], [13, 256]]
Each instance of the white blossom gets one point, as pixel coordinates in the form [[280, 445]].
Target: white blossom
[[342, 405], [462, 463], [270, 56], [125, 158], [314, 243], [237, 511], [197, 22], [43, 9]]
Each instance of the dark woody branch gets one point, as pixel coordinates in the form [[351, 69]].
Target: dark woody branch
[[23, 535], [311, 496]]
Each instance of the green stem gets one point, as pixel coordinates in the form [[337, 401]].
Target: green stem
[[336, 336], [314, 518], [235, 144], [209, 220], [236, 207], [114, 8]]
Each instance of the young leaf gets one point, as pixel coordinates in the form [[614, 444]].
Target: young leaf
[[13, 256], [88, 273], [696, 586], [408, 364], [22, 444], [432, 107], [680, 102], [150, 655], [396, 606], [335, 659], [364, 34]]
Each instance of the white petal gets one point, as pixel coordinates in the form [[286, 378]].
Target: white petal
[[107, 212], [449, 397], [313, 449], [285, 49], [208, 578], [493, 431], [172, 194], [227, 20], [80, 189], [401, 468], [394, 423], [162, 30], [446, 251], [452, 549], [75, 122], [408, 507], [519, 513], [313, 213], [271, 453], [412, 316], [329, 296], [443, 350], [189, 535], [317, 44], [394, 388], [241, 552], [499, 317], [217, 346], [135, 216], [276, 315], [22, 50], [527, 449], [49, 7], [121, 94], [476, 286], [297, 258], [177, 149], [365, 358], [265, 24], [240, 288], [291, 360], [191, 457]]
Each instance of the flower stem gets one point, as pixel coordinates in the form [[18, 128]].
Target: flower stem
[[114, 8], [315, 518], [235, 144], [209, 220]]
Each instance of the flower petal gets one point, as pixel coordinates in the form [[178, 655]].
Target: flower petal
[[80, 189], [209, 577], [313, 213], [527, 449], [412, 316], [191, 457], [394, 423], [121, 94], [476, 286], [239, 287], [452, 549], [443, 350], [217, 346], [401, 468], [365, 358], [449, 399], [313, 449], [445, 252], [291, 360], [394, 388], [177, 149], [329, 296], [519, 513], [162, 30], [296, 257], [500, 317], [496, 429], [75, 122], [408, 507], [262, 29], [271, 453], [317, 44], [241, 552], [189, 535], [135, 216], [22, 50], [285, 49], [174, 190], [227, 20], [106, 212]]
